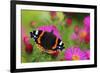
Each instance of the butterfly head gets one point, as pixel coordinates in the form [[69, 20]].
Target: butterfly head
[[34, 34], [60, 45]]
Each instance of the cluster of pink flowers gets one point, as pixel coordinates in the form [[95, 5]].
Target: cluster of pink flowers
[[75, 53], [82, 34], [25, 39]]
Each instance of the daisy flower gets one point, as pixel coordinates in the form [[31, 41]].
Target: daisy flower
[[74, 53]]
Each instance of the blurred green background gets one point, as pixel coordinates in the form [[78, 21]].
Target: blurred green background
[[42, 18]]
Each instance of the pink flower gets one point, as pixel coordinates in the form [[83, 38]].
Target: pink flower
[[25, 38], [29, 48], [84, 35], [74, 36], [87, 52], [50, 28], [87, 39], [74, 53], [76, 28], [86, 22]]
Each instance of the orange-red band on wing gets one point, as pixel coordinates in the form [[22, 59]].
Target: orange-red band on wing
[[55, 45], [40, 37]]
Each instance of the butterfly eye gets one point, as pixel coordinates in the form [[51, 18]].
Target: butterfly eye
[[34, 34]]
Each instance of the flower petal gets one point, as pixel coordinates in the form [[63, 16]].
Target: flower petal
[[50, 28]]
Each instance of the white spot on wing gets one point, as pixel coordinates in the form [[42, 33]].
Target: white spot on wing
[[60, 43], [36, 32], [34, 36]]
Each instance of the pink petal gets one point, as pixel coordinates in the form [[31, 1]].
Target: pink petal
[[50, 28], [25, 38], [86, 22], [87, 53], [74, 36], [74, 51]]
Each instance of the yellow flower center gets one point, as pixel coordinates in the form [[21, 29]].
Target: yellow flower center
[[75, 57]]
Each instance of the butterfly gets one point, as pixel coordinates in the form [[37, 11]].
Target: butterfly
[[47, 41]]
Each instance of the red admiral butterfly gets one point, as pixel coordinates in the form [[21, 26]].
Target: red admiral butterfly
[[47, 40]]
